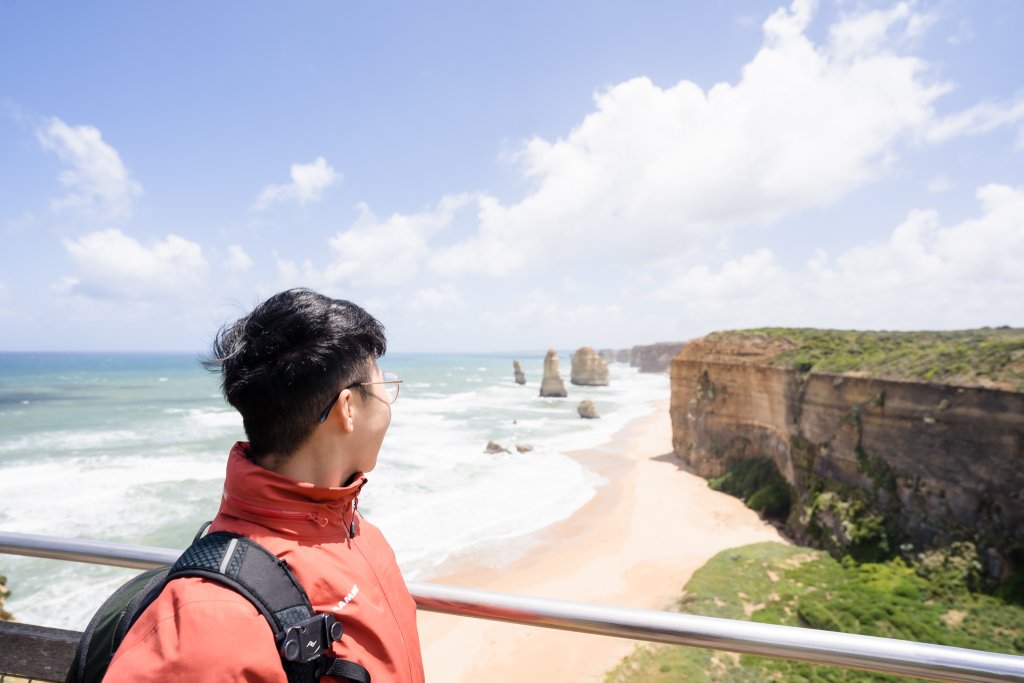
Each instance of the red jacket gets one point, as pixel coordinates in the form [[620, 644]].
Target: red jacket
[[199, 631]]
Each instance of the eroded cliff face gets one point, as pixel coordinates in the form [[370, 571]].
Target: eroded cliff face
[[654, 357], [932, 463]]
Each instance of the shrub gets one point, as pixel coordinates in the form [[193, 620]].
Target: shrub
[[771, 501], [758, 482]]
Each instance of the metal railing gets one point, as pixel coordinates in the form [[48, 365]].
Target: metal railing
[[907, 658]]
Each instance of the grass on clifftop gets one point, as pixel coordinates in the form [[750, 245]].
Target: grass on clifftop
[[779, 584], [982, 357]]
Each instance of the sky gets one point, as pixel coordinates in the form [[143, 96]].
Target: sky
[[509, 176]]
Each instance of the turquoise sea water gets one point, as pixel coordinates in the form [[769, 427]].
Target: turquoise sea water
[[131, 448]]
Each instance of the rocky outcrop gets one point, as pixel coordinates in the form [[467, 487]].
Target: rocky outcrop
[[588, 369], [587, 410], [913, 463], [518, 370], [607, 355], [654, 357], [552, 384], [5, 593], [623, 355], [523, 448], [495, 447]]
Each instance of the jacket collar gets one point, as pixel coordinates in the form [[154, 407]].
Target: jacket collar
[[287, 506]]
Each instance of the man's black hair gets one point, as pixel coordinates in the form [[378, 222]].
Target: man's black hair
[[283, 363]]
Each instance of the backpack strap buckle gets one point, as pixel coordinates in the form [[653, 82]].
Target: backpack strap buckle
[[306, 640]]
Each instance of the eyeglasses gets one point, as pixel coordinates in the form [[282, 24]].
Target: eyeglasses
[[390, 382]]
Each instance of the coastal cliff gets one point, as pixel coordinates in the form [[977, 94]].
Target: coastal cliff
[[875, 464], [654, 357]]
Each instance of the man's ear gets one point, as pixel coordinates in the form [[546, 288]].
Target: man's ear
[[346, 410]]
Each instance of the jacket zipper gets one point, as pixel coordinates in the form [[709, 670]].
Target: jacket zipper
[[277, 514], [352, 524]]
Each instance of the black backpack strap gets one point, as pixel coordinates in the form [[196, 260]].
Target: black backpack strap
[[248, 568], [349, 671], [265, 580]]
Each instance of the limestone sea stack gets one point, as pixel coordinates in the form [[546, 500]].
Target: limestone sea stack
[[587, 410], [518, 369], [552, 384], [588, 369]]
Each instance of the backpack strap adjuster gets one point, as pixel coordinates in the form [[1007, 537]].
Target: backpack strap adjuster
[[306, 640]]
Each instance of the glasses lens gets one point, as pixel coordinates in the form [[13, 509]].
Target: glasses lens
[[392, 387]]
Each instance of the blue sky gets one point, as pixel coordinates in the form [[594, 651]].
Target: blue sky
[[518, 176]]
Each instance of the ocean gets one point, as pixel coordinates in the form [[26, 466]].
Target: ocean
[[131, 448]]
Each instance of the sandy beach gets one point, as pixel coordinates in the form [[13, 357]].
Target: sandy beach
[[635, 544]]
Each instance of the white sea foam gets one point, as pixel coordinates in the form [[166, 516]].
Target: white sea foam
[[102, 497], [68, 440], [60, 594], [486, 498], [435, 493], [212, 419]]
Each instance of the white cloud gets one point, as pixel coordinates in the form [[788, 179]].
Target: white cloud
[[979, 119], [746, 20], [964, 275], [238, 261], [655, 179], [308, 184], [66, 285], [388, 252], [939, 184], [562, 321], [26, 221], [97, 181], [571, 285], [754, 273], [114, 265], [805, 124], [924, 275], [874, 31], [963, 33], [442, 298]]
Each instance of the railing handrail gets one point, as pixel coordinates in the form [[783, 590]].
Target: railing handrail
[[887, 655]]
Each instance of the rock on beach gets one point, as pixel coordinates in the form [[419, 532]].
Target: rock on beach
[[587, 410]]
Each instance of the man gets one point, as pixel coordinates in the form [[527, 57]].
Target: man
[[302, 371]]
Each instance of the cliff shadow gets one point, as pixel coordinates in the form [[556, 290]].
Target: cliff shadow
[[779, 524], [674, 459]]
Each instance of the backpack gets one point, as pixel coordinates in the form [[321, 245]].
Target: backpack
[[302, 636]]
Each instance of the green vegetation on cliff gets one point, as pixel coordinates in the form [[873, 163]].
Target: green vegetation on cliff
[[838, 518], [982, 357], [759, 484], [779, 584]]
